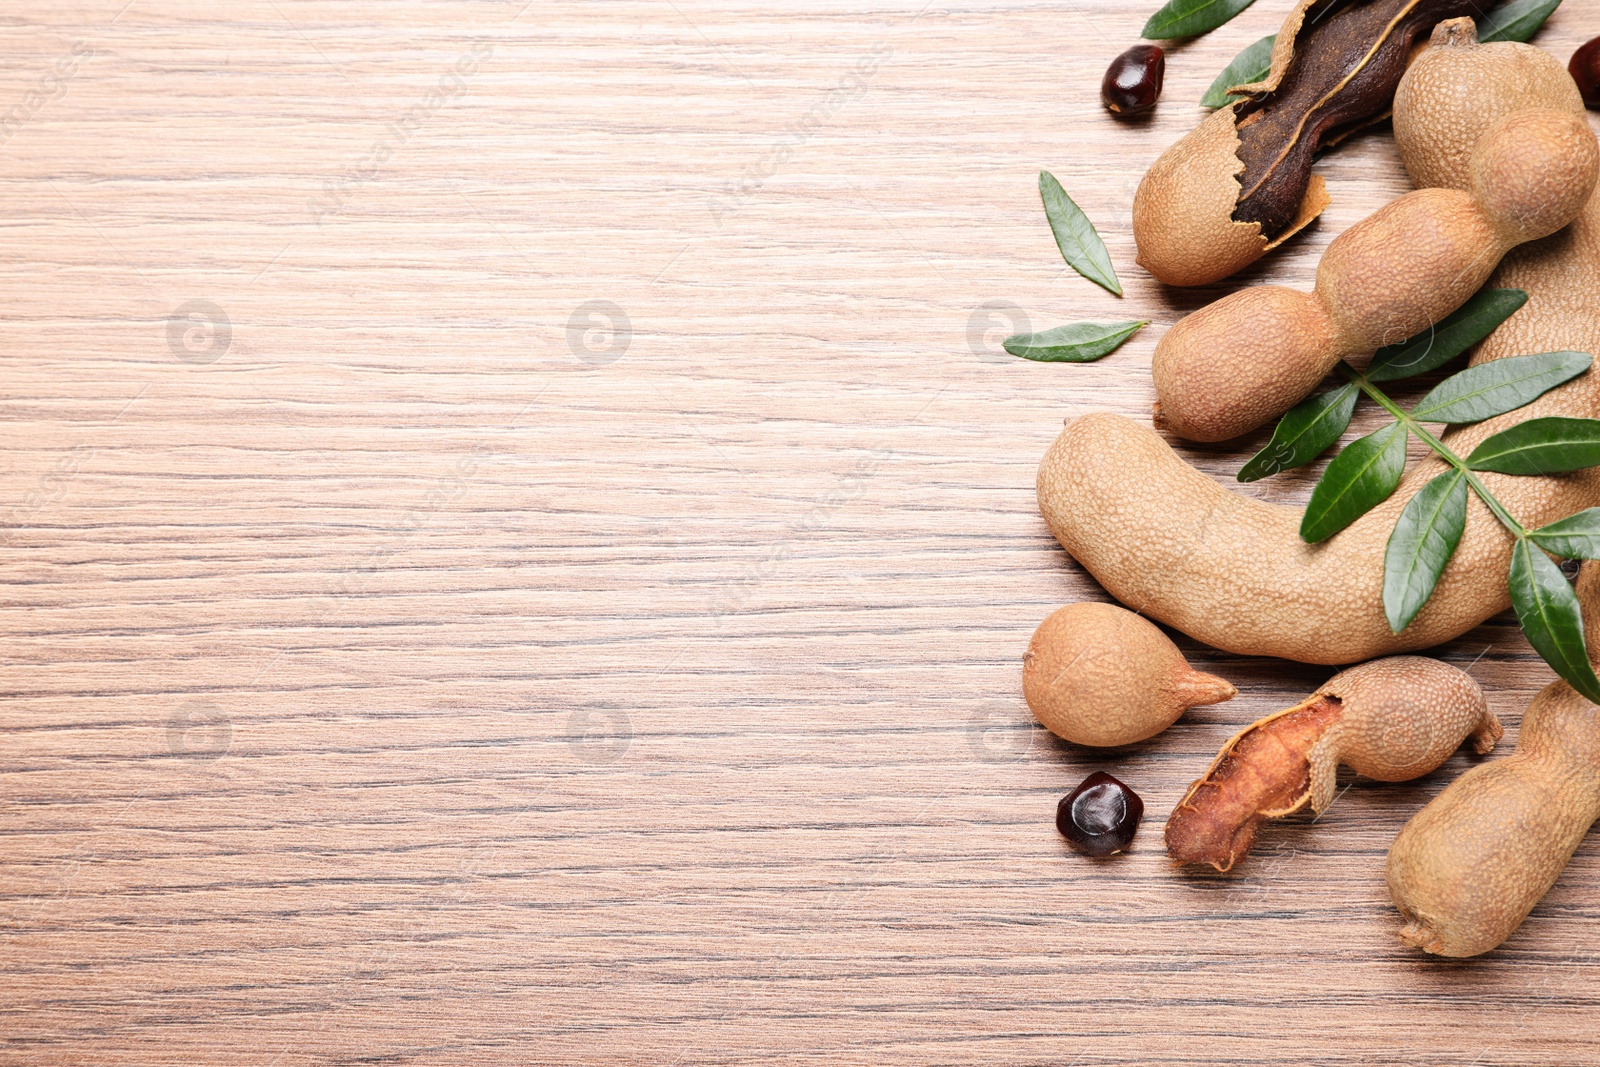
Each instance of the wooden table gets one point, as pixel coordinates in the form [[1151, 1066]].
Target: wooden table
[[518, 545]]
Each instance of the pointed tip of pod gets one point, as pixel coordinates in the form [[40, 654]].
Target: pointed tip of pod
[[1197, 688], [1419, 934]]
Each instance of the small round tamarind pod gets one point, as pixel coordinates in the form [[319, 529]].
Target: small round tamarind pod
[[1228, 368], [1470, 866], [1457, 88], [1097, 674], [1391, 719]]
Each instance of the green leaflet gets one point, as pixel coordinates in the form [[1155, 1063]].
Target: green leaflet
[[1547, 608], [1304, 433], [1247, 68], [1516, 21], [1079, 342], [1574, 537], [1540, 446], [1190, 18], [1357, 480], [1421, 545], [1455, 333], [1490, 389], [1075, 235]]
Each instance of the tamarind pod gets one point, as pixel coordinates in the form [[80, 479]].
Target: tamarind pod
[[1457, 88], [1240, 183], [1097, 674], [1390, 719], [1454, 91], [1233, 572], [1469, 867], [1230, 367]]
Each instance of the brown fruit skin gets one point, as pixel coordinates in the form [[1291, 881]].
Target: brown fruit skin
[[1252, 353], [1456, 89], [1232, 571], [1398, 719], [1097, 674], [1182, 211], [1231, 367], [1468, 867]]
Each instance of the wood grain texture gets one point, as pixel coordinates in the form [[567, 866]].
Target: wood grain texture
[[387, 683]]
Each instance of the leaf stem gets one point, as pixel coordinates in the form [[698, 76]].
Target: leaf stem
[[1442, 450]]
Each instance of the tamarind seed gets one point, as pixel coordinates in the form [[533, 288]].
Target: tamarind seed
[[1101, 816], [1133, 81], [1585, 70]]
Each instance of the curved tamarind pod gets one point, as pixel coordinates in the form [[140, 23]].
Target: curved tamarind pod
[[1468, 867], [1391, 719], [1240, 183], [1229, 367], [1232, 571]]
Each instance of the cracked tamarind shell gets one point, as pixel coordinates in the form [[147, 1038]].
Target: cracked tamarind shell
[[1240, 183], [1390, 719]]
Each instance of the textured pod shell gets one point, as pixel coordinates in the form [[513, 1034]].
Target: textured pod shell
[[1402, 269], [1240, 360], [1467, 869], [1525, 203], [1233, 365], [1183, 210], [1097, 674], [1232, 571], [1401, 718], [1391, 719], [1470, 866], [1456, 89]]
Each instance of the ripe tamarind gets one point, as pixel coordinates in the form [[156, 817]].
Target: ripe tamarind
[[1097, 674], [1232, 571], [1390, 719], [1469, 867], [1247, 358], [1240, 183]]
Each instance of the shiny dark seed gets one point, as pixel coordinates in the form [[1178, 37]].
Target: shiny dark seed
[[1133, 81], [1100, 816], [1585, 70]]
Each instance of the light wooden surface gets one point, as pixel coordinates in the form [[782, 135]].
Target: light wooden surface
[[387, 683]]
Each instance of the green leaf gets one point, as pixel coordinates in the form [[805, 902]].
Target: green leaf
[[1455, 333], [1540, 446], [1079, 342], [1080, 245], [1356, 481], [1190, 18], [1574, 537], [1495, 388], [1516, 21], [1247, 68], [1547, 608], [1422, 543], [1304, 433]]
